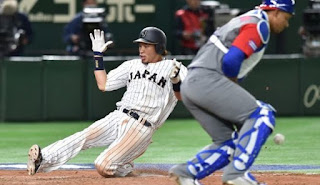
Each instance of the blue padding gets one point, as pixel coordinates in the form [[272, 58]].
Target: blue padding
[[264, 32], [264, 123], [232, 61], [204, 168], [264, 132]]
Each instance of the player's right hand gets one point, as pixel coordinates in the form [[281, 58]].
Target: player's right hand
[[174, 75], [98, 41]]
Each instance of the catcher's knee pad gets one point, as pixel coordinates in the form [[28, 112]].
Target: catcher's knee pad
[[209, 160], [250, 142]]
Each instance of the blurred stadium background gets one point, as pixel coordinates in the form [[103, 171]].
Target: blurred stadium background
[[48, 86], [126, 18]]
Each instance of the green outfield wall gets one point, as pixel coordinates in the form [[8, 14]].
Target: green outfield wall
[[126, 18], [63, 88]]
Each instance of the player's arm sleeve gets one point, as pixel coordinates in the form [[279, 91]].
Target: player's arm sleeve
[[245, 44], [232, 61], [118, 77]]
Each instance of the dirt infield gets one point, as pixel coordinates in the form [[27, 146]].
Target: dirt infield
[[142, 177]]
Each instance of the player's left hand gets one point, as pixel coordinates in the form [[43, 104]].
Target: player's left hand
[[174, 75], [98, 41]]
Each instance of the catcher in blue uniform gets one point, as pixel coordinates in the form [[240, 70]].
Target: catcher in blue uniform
[[238, 124]]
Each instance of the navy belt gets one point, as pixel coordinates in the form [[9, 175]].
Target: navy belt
[[136, 117]]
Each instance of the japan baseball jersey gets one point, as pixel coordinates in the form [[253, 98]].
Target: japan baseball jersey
[[149, 90]]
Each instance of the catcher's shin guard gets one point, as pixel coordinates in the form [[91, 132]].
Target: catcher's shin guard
[[209, 160], [251, 141]]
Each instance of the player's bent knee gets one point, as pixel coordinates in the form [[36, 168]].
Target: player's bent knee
[[253, 139], [113, 170], [102, 170]]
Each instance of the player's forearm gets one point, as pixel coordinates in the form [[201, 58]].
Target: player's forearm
[[99, 72], [176, 89], [178, 95], [98, 47], [101, 79], [175, 78]]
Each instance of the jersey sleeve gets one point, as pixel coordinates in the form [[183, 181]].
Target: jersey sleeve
[[118, 77], [249, 39]]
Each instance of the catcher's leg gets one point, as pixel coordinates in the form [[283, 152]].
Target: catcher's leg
[[252, 136], [208, 160], [133, 140], [211, 158]]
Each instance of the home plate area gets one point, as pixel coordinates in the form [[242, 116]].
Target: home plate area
[[151, 174]]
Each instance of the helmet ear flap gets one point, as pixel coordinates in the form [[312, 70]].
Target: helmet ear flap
[[159, 49]]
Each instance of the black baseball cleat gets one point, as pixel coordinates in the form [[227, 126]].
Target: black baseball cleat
[[34, 159]]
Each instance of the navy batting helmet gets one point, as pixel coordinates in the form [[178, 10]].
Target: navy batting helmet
[[284, 5], [153, 35]]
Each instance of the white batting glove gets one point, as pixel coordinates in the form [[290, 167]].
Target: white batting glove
[[174, 75], [98, 41]]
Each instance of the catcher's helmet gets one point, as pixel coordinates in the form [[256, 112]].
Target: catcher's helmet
[[153, 35], [284, 5]]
